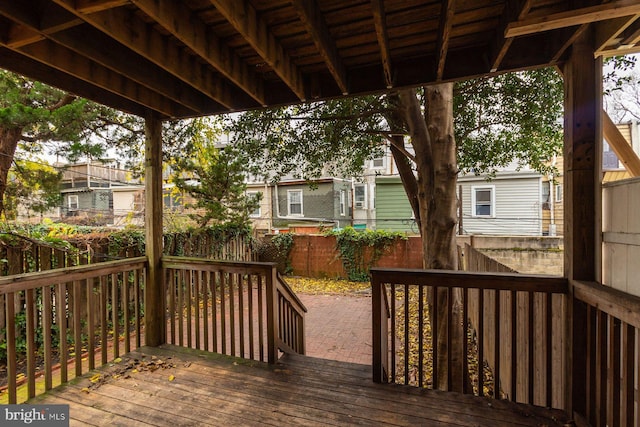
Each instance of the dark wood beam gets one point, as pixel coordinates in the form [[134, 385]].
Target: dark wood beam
[[172, 15], [253, 28], [93, 6], [128, 29], [514, 10], [608, 32], [586, 15], [380, 22], [14, 61], [312, 18], [444, 32], [94, 45], [67, 61]]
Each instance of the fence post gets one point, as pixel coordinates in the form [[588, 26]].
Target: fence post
[[272, 315], [380, 332]]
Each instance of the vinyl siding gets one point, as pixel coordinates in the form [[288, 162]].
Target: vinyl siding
[[517, 209], [393, 211]]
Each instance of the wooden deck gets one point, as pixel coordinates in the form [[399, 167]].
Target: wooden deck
[[195, 388]]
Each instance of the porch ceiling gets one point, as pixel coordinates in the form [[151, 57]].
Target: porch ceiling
[[198, 57]]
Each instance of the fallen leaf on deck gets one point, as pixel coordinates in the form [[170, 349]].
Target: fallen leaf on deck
[[172, 377]]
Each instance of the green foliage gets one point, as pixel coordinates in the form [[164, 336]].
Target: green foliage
[[33, 185], [283, 243], [215, 178], [360, 250]]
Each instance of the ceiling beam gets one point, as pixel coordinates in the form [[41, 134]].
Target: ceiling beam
[[35, 70], [90, 43], [380, 22], [444, 32], [586, 15], [608, 32], [312, 18], [93, 6], [253, 28], [125, 27], [170, 14], [66, 60], [514, 10]]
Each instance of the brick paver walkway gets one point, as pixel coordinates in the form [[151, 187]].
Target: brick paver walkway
[[338, 327]]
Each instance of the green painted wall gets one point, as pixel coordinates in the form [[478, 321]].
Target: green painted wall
[[393, 212]]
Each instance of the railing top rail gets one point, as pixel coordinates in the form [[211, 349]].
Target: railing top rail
[[179, 262], [614, 302], [20, 282], [463, 279], [290, 295]]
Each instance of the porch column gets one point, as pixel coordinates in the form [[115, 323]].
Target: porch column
[[154, 301], [582, 204]]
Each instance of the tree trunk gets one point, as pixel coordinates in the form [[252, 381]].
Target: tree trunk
[[433, 140], [9, 138]]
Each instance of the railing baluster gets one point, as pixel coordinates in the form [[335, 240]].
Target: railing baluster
[[252, 319], [466, 387], [115, 320], [241, 312], [125, 306], [434, 336], [548, 305], [136, 298], [480, 338], [532, 348], [392, 332], [188, 275], [47, 311], [601, 366], [223, 312], [91, 324], [11, 346], [590, 380], [232, 313], [420, 337], [514, 346], [613, 397], [31, 343], [181, 307], [196, 304], [407, 345], [77, 326], [496, 344], [206, 285], [261, 318], [104, 321], [214, 308], [628, 374], [450, 332]]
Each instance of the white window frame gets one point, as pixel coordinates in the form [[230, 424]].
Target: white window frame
[[258, 212], [360, 204], [558, 193], [289, 197], [77, 202], [382, 159], [492, 206], [343, 202]]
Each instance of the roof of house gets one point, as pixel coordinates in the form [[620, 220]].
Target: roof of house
[[184, 58]]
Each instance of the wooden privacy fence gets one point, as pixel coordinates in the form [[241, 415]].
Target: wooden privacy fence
[[234, 308], [74, 317], [516, 330], [606, 362]]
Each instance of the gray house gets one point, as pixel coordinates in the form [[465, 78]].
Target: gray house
[[327, 202]]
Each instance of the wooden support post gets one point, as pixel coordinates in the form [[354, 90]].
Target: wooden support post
[[154, 300], [273, 316], [582, 189]]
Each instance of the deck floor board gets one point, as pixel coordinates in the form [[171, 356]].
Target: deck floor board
[[208, 389]]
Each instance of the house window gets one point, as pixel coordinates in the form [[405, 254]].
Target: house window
[[73, 203], [545, 194], [558, 198], [377, 163], [294, 202], [343, 202], [360, 196], [483, 201], [253, 195]]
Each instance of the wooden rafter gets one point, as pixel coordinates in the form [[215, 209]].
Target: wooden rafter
[[380, 21], [608, 32], [90, 43], [93, 6], [602, 12], [253, 28], [514, 10], [126, 28], [207, 45], [84, 69], [316, 26], [620, 145], [444, 32]]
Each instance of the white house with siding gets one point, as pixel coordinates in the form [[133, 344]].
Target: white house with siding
[[508, 204]]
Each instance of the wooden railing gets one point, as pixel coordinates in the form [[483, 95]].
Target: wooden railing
[[515, 346], [240, 309], [74, 319], [606, 356]]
